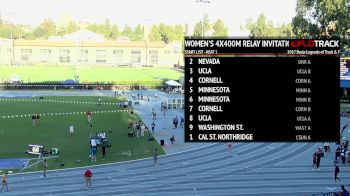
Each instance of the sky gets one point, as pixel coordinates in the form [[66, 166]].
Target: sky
[[132, 12]]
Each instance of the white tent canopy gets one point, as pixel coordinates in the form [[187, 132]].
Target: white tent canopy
[[173, 83]]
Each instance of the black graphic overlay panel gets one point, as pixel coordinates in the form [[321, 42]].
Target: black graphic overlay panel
[[262, 90]]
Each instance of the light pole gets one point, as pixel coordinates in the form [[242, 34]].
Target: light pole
[[13, 47], [81, 58], [146, 48], [146, 52], [10, 14], [203, 25]]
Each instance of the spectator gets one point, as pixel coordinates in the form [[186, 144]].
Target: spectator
[[89, 117], [344, 191], [143, 127], [93, 149], [182, 121], [342, 154], [172, 139], [103, 136], [176, 121], [71, 129], [326, 146], [337, 153], [37, 120], [103, 152], [34, 120]]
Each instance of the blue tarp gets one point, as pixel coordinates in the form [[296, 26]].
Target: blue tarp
[[69, 82], [345, 83], [13, 163]]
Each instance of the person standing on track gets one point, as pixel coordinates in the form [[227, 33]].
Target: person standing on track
[[45, 167], [87, 177], [345, 127], [153, 126], [155, 157], [314, 157], [4, 182], [318, 160], [336, 172], [229, 147]]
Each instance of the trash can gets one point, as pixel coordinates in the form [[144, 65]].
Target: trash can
[[162, 142]]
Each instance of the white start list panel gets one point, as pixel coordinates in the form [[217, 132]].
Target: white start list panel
[[262, 90]]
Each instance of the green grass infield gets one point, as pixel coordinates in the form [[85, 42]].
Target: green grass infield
[[52, 131], [91, 74]]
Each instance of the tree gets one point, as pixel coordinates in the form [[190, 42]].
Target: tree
[[26, 32], [197, 32], [127, 31], [286, 30], [260, 28], [39, 32], [220, 29], [138, 33], [107, 23], [28, 36], [114, 32], [327, 18], [93, 28], [71, 27], [105, 29], [202, 27], [5, 30], [171, 33], [61, 30], [154, 34], [163, 30], [45, 29], [179, 32], [49, 26], [206, 24]]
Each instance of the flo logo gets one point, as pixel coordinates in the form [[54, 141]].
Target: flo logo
[[314, 43]]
